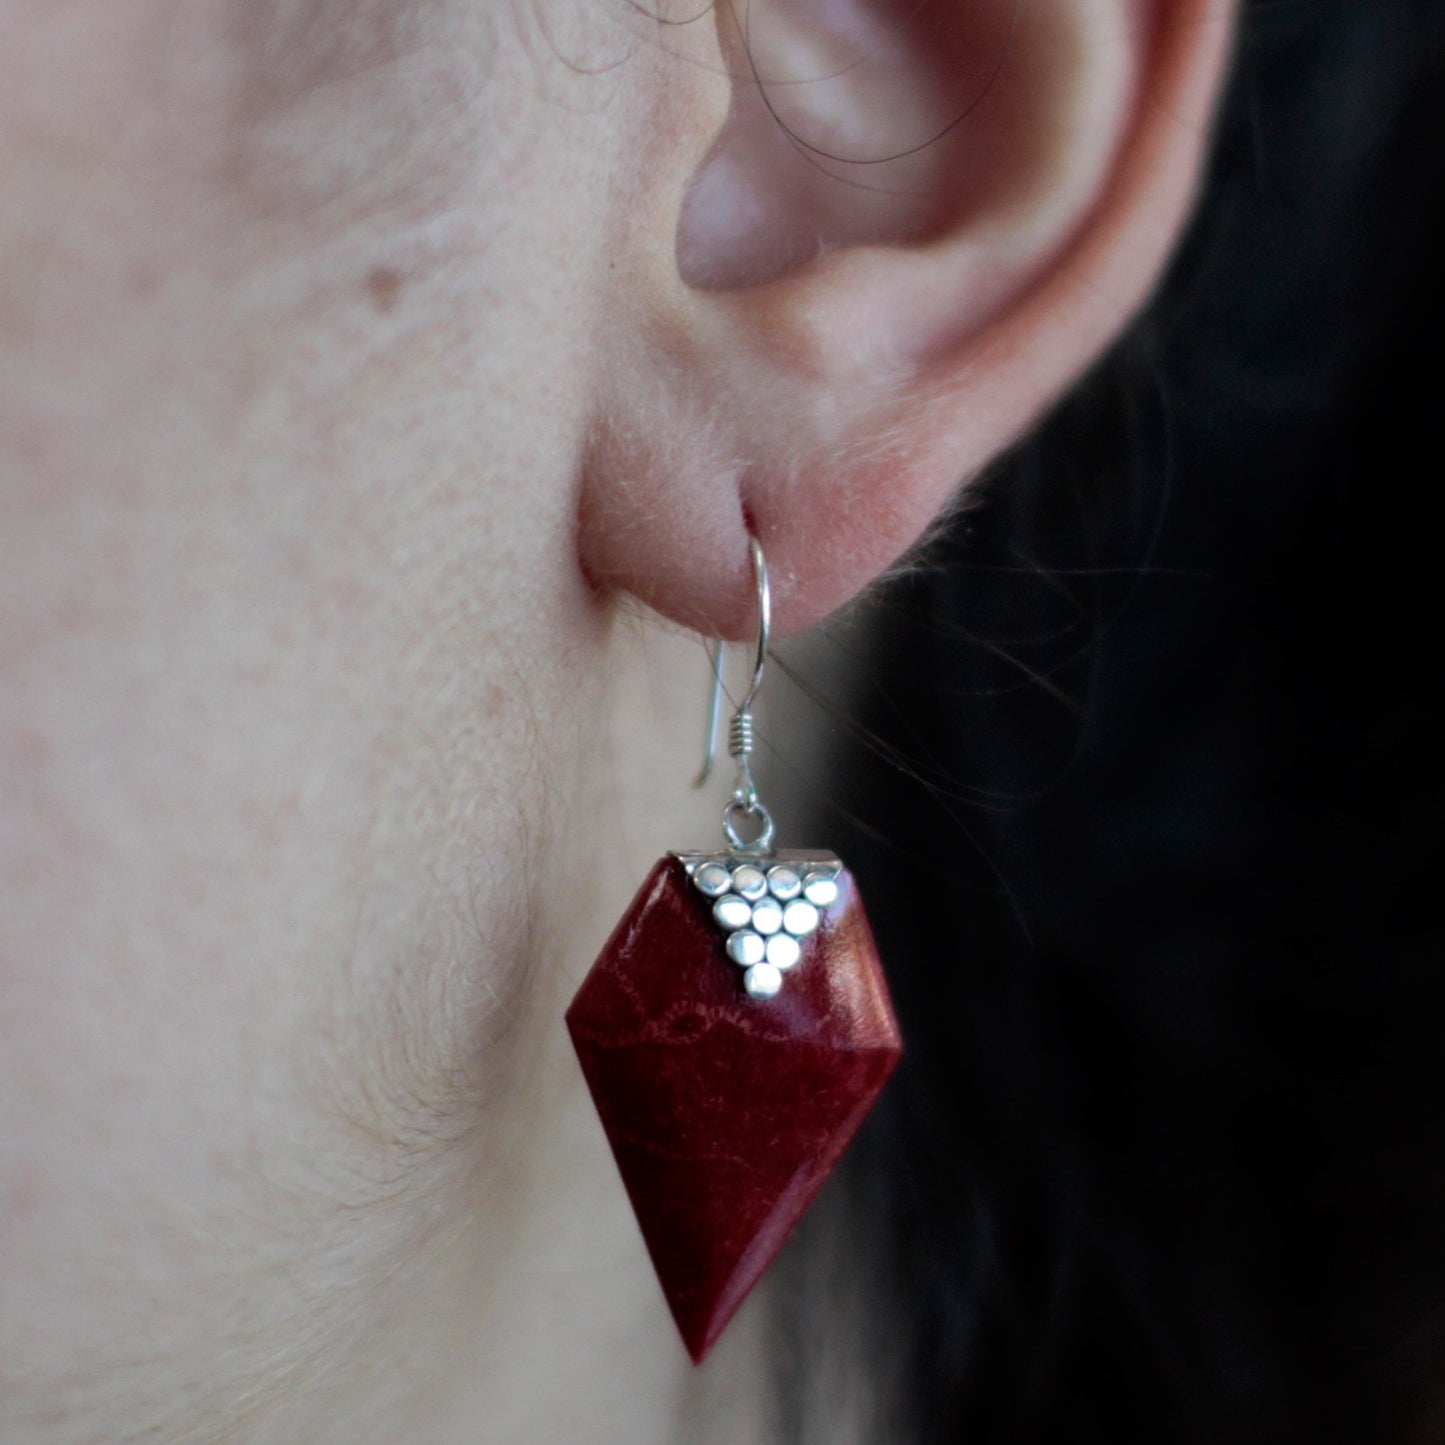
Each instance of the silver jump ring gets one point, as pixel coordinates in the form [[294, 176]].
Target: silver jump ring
[[734, 811]]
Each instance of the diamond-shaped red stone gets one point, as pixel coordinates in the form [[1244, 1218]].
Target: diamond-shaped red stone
[[725, 1113]]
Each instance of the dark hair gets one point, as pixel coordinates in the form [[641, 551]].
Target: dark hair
[[1144, 794]]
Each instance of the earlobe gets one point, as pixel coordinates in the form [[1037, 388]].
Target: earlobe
[[830, 359]]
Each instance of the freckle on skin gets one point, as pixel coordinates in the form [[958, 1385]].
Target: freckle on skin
[[25, 1197], [142, 280], [385, 285]]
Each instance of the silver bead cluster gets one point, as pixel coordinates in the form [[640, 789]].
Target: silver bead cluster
[[765, 910]]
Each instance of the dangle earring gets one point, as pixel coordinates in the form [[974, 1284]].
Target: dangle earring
[[734, 1033]]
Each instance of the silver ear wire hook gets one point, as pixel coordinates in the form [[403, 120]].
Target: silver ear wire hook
[[744, 801]]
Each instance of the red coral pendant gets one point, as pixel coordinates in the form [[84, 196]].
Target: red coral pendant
[[734, 1033]]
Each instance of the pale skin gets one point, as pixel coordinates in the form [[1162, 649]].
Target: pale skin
[[358, 365]]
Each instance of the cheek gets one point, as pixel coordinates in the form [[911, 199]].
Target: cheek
[[295, 666], [258, 947]]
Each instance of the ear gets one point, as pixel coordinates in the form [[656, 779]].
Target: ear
[[916, 224]]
